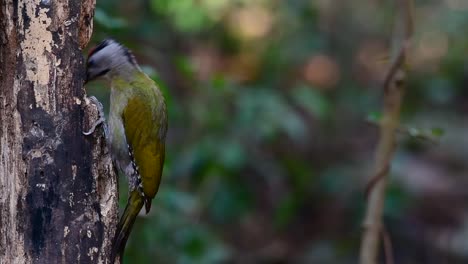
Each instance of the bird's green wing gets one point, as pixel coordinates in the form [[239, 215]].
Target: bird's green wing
[[145, 132]]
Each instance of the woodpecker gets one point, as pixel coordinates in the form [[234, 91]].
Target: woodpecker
[[137, 129]]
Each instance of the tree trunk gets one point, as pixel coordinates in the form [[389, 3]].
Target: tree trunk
[[58, 191]]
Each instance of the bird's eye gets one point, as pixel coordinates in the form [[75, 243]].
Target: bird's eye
[[91, 63]]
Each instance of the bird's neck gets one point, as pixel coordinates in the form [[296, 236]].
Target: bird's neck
[[125, 71]]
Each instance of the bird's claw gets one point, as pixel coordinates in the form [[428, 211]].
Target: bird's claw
[[101, 119], [93, 127]]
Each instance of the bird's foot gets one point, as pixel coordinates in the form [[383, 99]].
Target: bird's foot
[[101, 119]]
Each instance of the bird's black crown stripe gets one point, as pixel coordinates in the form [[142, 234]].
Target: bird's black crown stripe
[[99, 47], [129, 55]]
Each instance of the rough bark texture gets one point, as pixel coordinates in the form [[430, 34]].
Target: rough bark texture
[[58, 191]]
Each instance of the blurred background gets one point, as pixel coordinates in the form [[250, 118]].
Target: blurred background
[[269, 143]]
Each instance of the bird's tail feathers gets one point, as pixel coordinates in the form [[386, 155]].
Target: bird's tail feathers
[[134, 205], [148, 204]]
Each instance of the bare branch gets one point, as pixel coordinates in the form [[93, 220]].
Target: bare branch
[[393, 88]]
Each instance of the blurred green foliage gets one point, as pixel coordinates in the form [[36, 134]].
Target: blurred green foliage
[[269, 149]]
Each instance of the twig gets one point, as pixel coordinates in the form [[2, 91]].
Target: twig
[[376, 179], [388, 247], [393, 88], [422, 135]]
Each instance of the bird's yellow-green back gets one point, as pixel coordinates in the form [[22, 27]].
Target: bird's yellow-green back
[[145, 122]]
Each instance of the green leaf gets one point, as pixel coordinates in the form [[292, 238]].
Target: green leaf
[[313, 101], [374, 117], [437, 132], [184, 66], [286, 210]]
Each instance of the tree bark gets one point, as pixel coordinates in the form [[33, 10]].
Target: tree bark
[[58, 191]]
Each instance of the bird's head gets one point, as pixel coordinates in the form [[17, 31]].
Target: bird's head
[[107, 58]]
